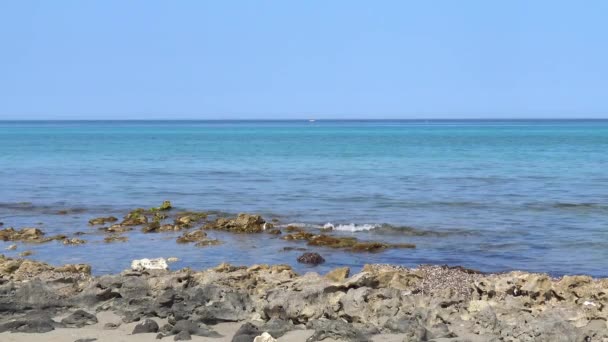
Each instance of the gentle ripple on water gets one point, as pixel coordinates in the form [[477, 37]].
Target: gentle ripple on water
[[484, 194]]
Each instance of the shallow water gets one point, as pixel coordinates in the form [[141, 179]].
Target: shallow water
[[491, 195]]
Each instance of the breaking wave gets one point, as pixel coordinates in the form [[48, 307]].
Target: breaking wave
[[350, 227], [390, 229]]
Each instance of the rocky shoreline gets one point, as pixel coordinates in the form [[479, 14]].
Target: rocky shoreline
[[263, 303], [427, 303]]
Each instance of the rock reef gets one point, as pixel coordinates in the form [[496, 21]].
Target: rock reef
[[347, 243]]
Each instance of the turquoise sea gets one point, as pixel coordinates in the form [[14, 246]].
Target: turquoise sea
[[490, 195]]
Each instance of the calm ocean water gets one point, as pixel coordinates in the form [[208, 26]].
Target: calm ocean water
[[491, 195]]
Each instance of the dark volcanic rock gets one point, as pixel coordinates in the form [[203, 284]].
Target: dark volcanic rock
[[338, 330], [277, 327], [86, 339], [423, 303], [147, 326], [192, 329], [182, 336], [246, 333], [220, 304], [79, 319], [36, 323], [311, 258]]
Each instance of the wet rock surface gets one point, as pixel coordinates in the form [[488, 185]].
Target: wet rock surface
[[311, 258], [199, 237], [102, 220], [74, 241], [243, 223], [421, 304], [115, 238], [32, 235], [351, 244]]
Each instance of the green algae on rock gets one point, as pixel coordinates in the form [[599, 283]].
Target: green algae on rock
[[135, 218], [166, 205]]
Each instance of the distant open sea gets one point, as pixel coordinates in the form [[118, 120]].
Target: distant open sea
[[491, 195]]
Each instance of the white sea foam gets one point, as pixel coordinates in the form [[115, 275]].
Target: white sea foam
[[351, 227]]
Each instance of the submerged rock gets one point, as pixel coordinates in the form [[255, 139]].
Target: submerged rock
[[243, 223], [333, 242], [102, 220], [155, 227], [115, 238], [199, 237], [117, 228], [347, 243], [311, 258], [208, 242], [73, 241], [149, 264], [298, 236], [26, 253], [378, 246], [289, 248]]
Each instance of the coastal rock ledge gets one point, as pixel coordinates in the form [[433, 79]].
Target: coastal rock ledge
[[423, 304]]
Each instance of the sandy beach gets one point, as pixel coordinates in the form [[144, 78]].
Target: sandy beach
[[123, 333]]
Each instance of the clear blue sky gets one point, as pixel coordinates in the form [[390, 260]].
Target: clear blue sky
[[299, 59]]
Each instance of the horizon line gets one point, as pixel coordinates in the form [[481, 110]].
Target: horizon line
[[326, 119]]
